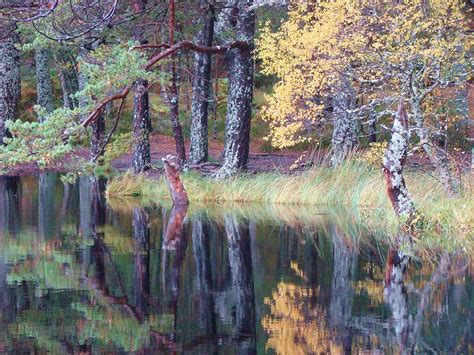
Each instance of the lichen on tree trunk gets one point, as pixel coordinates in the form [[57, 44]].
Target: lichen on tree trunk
[[9, 76], [44, 86], [201, 86], [344, 136], [239, 103], [393, 163], [141, 128], [141, 158], [437, 155]]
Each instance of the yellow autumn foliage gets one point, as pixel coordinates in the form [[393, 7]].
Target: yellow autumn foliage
[[370, 41]]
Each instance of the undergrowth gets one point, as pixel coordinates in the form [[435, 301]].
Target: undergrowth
[[354, 186]]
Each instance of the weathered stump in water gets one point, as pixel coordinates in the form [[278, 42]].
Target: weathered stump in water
[[175, 228], [175, 185]]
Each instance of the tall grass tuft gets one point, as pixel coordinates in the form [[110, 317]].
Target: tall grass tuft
[[354, 185]]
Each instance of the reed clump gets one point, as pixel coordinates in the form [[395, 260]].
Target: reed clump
[[355, 185]]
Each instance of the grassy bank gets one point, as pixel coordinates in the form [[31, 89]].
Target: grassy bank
[[354, 186]]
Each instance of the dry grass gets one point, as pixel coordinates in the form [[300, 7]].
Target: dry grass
[[355, 186]]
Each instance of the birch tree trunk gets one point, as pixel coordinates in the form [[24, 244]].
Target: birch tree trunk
[[239, 103], [344, 136], [44, 85], [201, 86], [393, 163], [9, 76]]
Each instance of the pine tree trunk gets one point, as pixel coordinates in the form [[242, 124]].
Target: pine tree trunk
[[98, 138], [201, 87], [393, 163], [9, 77], [437, 155], [66, 67], [98, 127], [141, 158], [239, 104], [344, 136], [44, 85], [141, 128], [173, 103]]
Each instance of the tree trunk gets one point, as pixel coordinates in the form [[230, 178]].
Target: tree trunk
[[201, 87], [344, 136], [66, 67], [239, 104], [393, 163], [141, 158], [98, 138], [437, 155], [44, 85], [173, 103], [9, 77], [98, 127]]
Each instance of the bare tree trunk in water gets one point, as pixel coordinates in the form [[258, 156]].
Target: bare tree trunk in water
[[46, 207], [201, 86], [141, 158], [239, 103], [9, 76], [44, 85], [202, 258], [240, 261], [344, 136], [437, 155], [85, 213], [141, 283], [393, 163], [342, 293]]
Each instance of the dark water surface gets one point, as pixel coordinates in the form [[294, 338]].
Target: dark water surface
[[82, 274]]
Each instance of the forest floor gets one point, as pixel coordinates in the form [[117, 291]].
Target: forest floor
[[260, 161]]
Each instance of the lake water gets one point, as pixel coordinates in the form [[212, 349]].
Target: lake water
[[79, 273]]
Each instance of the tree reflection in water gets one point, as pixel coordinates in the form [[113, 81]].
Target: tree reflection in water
[[77, 275]]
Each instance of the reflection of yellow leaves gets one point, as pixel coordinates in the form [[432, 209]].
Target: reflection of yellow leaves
[[291, 328], [373, 288]]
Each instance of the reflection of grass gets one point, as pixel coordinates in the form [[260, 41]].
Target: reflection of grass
[[354, 186]]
